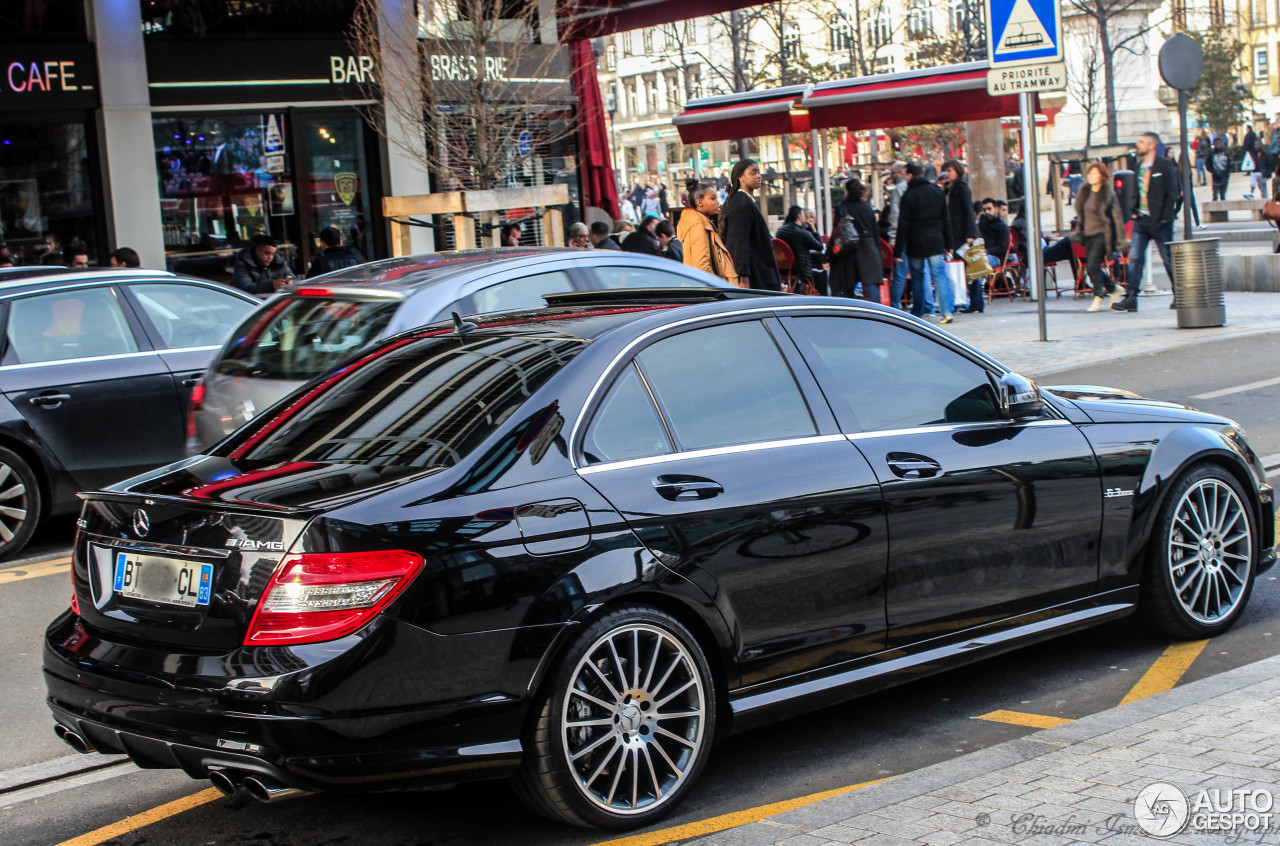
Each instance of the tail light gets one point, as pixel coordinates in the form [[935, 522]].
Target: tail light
[[75, 601], [314, 597], [197, 402]]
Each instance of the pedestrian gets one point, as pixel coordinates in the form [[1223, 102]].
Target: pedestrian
[[745, 232], [600, 237], [75, 255], [1153, 214], [260, 269], [510, 234], [334, 256], [664, 205], [650, 205], [804, 245], [629, 212], [1203, 148], [621, 229], [644, 239], [857, 261], [671, 246], [923, 227], [1264, 162], [1101, 231], [703, 247], [898, 186], [1219, 168], [124, 257], [1249, 162], [964, 229]]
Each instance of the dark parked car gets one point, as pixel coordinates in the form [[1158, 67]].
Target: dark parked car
[[573, 545], [307, 329], [96, 373]]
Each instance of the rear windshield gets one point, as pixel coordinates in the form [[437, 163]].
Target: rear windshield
[[424, 402], [298, 338]]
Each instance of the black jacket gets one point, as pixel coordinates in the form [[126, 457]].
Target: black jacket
[[960, 209], [802, 243], [995, 235], [250, 275], [862, 264], [746, 235], [923, 220], [1162, 190], [608, 244], [642, 241], [331, 259]]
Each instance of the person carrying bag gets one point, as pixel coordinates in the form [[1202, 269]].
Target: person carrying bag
[[854, 248]]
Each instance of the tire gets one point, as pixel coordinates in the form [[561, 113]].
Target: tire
[[1202, 556], [20, 503], [626, 764]]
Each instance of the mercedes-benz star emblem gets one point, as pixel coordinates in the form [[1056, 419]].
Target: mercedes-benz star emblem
[[141, 524]]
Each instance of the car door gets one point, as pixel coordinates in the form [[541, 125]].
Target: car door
[[988, 517], [706, 445], [187, 322], [80, 373]]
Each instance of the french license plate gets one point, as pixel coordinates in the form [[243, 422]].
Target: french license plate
[[168, 580]]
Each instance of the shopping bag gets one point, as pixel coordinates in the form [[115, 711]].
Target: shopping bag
[[976, 264], [1246, 165], [959, 282]]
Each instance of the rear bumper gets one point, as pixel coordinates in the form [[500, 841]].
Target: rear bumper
[[356, 716]]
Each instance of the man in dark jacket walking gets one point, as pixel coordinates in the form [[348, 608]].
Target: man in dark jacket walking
[[644, 239], [260, 269], [334, 256], [1153, 216], [923, 227]]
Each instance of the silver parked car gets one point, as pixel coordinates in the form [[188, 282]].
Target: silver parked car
[[307, 329]]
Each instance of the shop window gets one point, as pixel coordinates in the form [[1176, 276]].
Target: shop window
[[241, 19], [46, 191], [42, 20]]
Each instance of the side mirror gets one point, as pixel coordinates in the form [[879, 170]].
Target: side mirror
[[1019, 397]]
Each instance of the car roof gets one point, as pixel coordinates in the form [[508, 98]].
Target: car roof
[[98, 276], [409, 274]]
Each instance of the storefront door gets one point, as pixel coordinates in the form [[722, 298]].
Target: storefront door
[[334, 176]]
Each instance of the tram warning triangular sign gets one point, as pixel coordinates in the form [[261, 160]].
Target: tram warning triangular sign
[[1024, 31]]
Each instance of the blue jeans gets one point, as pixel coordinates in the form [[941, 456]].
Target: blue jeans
[[1200, 162], [1146, 230], [898, 283], [941, 288]]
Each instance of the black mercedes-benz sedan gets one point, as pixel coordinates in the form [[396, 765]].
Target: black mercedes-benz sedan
[[573, 545]]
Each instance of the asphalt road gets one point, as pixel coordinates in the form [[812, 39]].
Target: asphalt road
[[886, 734]]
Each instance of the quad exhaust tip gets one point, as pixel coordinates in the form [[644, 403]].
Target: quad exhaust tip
[[269, 790], [72, 739], [225, 783]]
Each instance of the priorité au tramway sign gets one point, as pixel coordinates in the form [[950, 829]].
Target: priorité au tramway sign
[[1024, 46]]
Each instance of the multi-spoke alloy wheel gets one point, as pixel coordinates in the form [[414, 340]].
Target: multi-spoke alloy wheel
[[19, 503], [1201, 571], [627, 725]]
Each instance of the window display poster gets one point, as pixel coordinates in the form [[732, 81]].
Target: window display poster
[[281, 199]]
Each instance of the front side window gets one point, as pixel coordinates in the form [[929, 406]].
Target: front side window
[[81, 323], [891, 377], [190, 315], [726, 385], [425, 403]]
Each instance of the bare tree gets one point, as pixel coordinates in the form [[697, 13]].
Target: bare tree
[[861, 30], [1084, 83], [1113, 41], [471, 77]]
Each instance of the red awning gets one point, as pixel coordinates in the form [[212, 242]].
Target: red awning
[[749, 115], [935, 95]]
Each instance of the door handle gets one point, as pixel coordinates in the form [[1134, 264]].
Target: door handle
[[50, 400], [907, 466], [686, 488], [192, 380]]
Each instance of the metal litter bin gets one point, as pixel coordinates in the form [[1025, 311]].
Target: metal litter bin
[[1197, 283]]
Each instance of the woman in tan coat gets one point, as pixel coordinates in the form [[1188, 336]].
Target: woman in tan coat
[[703, 248]]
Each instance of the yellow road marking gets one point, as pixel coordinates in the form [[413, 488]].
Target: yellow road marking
[[146, 818], [1020, 718], [1167, 671], [34, 571], [721, 823]]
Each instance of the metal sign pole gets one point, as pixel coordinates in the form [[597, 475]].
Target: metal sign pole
[[1031, 203], [1184, 165]]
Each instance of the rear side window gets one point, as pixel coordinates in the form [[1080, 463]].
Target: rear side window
[[726, 385], [627, 425], [646, 277], [81, 323], [519, 294], [298, 338], [190, 315], [422, 403]]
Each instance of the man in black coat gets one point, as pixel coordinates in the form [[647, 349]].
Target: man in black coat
[[923, 227], [334, 256], [260, 269], [1153, 216], [644, 239]]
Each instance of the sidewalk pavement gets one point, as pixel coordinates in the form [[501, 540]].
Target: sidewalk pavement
[[1009, 331], [1079, 782]]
